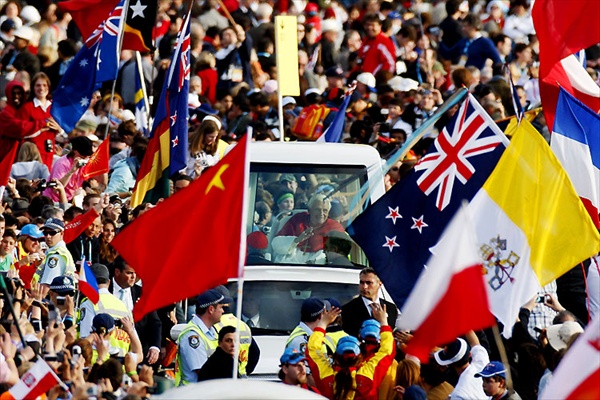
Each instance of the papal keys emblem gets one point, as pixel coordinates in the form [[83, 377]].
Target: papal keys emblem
[[495, 259]]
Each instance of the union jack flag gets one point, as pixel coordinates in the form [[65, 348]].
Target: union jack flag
[[96, 62], [398, 231], [469, 137]]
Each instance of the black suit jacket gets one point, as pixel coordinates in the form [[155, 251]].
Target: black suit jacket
[[354, 313]]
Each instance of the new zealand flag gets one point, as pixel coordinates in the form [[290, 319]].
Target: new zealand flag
[[398, 231]]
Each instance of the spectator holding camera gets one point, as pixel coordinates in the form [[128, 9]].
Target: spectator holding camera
[[68, 169]]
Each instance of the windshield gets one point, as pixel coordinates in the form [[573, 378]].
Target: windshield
[[274, 306], [298, 214]]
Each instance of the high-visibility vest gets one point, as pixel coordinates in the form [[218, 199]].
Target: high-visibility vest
[[111, 305], [65, 254], [329, 345], [118, 339], [209, 344], [245, 338], [335, 337]]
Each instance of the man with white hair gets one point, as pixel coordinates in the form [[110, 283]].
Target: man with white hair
[[310, 228]]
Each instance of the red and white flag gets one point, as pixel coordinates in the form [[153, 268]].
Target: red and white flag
[[563, 28], [439, 308], [36, 381], [578, 374]]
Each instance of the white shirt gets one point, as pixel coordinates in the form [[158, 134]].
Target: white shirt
[[123, 294], [469, 387], [368, 303]]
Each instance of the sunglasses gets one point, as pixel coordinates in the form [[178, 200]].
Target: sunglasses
[[50, 233]]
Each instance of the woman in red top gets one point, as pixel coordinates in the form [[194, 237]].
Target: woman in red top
[[38, 109]]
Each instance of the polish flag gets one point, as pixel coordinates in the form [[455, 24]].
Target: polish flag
[[440, 308], [36, 381], [578, 374], [87, 283]]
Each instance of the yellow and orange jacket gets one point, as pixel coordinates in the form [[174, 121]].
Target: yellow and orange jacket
[[367, 377]]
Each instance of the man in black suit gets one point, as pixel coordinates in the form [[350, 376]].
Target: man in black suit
[[149, 328], [358, 310]]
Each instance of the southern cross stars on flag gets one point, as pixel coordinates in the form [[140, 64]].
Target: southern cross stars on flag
[[397, 231], [96, 62]]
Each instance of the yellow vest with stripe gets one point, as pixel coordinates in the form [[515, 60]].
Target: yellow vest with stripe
[[64, 253], [111, 305], [118, 339], [329, 345], [335, 337], [209, 344], [245, 338]]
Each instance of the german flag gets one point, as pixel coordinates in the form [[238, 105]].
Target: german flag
[[167, 149]]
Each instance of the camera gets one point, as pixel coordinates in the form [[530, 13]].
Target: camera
[[43, 185], [58, 357], [118, 323], [60, 300], [76, 354], [81, 163], [540, 299]]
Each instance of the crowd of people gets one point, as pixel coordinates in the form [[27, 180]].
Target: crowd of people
[[402, 59]]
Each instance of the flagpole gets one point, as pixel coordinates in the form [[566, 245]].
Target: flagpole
[[503, 357], [242, 257], [119, 49], [138, 61]]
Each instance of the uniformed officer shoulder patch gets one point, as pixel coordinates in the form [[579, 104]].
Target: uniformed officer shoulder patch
[[82, 311], [194, 341], [53, 261]]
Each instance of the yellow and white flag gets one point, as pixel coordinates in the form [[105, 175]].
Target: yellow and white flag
[[531, 225], [286, 47]]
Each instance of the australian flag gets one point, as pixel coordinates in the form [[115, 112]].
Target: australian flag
[[398, 231], [95, 63]]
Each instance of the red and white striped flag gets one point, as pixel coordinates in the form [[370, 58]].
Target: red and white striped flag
[[36, 381]]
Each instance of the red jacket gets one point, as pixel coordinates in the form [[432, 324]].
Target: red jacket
[[12, 128], [378, 53], [209, 78], [29, 112]]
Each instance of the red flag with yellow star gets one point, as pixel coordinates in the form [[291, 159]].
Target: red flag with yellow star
[[99, 161], [194, 240]]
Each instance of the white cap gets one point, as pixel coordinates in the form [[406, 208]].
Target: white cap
[[366, 78], [401, 84], [270, 86], [287, 100], [405, 126], [24, 32], [30, 15], [312, 91], [330, 25], [93, 138], [128, 115]]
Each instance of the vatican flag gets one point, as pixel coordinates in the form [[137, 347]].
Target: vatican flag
[[531, 225], [286, 47]]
